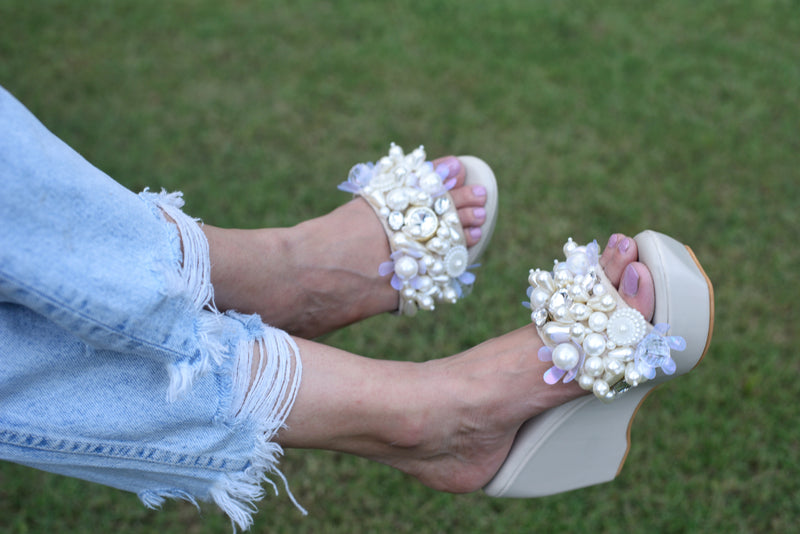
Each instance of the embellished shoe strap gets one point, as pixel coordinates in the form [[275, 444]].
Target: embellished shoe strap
[[429, 259], [591, 335]]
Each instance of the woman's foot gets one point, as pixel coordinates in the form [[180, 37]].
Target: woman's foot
[[323, 273], [448, 422]]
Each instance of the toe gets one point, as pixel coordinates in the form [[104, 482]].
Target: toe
[[470, 201], [619, 253], [469, 196], [454, 169], [637, 289], [471, 221], [472, 216]]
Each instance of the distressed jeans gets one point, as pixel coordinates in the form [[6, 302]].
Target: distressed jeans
[[115, 366]]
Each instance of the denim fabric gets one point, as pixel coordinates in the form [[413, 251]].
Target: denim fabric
[[114, 366]]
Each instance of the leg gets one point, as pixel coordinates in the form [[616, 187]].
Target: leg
[[449, 422], [323, 273]]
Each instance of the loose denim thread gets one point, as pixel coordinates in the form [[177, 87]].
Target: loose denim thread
[[265, 399], [191, 277]]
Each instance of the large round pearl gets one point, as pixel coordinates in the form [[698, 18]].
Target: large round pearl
[[406, 268], [598, 321], [593, 366], [600, 389], [594, 344], [586, 382], [566, 356]]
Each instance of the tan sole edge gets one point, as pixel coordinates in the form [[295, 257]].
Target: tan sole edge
[[703, 355]]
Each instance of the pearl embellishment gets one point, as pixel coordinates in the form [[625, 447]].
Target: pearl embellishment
[[429, 253], [593, 340], [566, 356]]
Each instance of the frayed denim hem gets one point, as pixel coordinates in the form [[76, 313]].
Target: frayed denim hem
[[117, 366], [264, 398]]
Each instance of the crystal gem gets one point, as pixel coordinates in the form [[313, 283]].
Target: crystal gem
[[441, 205], [421, 222], [560, 298], [654, 351]]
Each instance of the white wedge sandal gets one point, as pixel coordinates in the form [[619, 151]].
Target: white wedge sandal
[[429, 261], [592, 336]]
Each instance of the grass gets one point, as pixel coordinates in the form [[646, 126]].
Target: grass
[[681, 116]]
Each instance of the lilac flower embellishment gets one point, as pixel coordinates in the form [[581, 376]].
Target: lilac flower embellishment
[[567, 360], [463, 282], [406, 266], [654, 352], [358, 178]]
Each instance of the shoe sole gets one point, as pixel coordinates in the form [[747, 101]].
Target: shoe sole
[[549, 454]]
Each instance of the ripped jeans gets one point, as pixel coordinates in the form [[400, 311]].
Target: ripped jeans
[[115, 367]]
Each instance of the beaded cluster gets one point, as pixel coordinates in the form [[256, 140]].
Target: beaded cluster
[[589, 333], [429, 258]]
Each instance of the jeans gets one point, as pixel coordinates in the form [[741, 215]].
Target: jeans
[[115, 366]]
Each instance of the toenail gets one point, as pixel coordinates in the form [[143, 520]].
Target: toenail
[[612, 240], [479, 213], [475, 233], [625, 245], [450, 166], [630, 281], [479, 191]]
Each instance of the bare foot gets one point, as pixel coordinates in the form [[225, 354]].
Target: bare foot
[[323, 273], [448, 422]]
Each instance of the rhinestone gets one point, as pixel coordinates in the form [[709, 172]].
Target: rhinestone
[[539, 317], [560, 298], [441, 205], [589, 280], [655, 351], [421, 222]]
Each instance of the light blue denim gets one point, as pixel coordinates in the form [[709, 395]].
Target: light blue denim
[[114, 365]]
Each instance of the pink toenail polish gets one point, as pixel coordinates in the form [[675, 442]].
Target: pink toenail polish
[[479, 191], [479, 213], [630, 281], [625, 245], [450, 166], [475, 233], [612, 241]]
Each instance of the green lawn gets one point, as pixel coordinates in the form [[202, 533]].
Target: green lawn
[[680, 116]]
